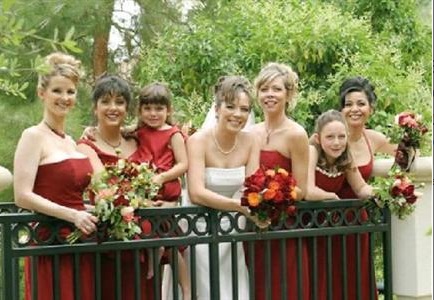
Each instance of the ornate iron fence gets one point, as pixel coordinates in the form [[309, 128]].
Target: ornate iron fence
[[318, 225]]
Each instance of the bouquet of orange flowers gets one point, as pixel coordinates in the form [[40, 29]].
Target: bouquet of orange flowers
[[116, 193], [270, 195]]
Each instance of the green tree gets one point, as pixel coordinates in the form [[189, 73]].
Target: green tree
[[19, 44], [321, 41]]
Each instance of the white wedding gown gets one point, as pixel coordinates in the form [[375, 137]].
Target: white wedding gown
[[225, 182]]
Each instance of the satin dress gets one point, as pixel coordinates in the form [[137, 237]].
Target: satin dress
[[61, 182], [272, 159], [108, 263]]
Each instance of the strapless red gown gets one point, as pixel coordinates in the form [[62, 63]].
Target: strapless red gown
[[333, 185], [154, 147], [63, 183], [271, 159], [366, 261], [108, 262]]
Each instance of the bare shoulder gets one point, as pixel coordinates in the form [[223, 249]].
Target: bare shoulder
[[198, 137], [32, 132], [296, 131], [376, 138], [33, 135], [248, 137]]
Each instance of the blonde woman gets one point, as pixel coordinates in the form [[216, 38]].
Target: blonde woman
[[283, 143], [51, 175]]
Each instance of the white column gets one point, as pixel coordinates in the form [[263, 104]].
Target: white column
[[411, 238]]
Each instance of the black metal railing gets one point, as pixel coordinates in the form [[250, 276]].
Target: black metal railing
[[320, 227]]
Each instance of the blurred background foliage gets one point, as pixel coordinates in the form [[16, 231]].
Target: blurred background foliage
[[325, 42]]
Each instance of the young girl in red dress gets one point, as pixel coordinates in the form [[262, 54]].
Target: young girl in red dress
[[163, 145], [330, 163]]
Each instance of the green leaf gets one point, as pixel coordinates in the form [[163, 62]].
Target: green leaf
[[69, 34], [7, 4]]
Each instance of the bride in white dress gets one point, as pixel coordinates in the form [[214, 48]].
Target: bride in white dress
[[220, 157]]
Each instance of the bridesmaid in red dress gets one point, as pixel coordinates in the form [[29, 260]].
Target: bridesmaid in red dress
[[330, 163], [357, 101], [284, 143], [111, 97], [54, 178]]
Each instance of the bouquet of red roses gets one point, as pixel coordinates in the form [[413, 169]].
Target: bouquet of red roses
[[270, 195], [408, 134], [116, 193], [397, 192]]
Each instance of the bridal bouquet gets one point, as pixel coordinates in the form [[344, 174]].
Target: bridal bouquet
[[408, 133], [270, 195], [116, 193], [396, 191]]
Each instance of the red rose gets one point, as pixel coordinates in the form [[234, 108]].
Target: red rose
[[257, 179], [407, 190], [411, 199], [120, 201], [395, 191], [278, 197]]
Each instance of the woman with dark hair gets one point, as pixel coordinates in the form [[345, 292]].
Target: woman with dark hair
[[357, 101], [111, 98]]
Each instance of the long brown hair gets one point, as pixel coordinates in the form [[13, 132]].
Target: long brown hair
[[343, 162]]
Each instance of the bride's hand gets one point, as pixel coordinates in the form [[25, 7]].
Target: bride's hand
[[262, 224]]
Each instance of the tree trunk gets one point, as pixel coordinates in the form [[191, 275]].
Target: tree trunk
[[100, 41]]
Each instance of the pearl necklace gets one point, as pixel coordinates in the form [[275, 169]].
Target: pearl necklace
[[329, 174], [219, 148]]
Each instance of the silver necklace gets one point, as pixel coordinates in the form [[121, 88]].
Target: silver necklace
[[219, 148], [269, 132]]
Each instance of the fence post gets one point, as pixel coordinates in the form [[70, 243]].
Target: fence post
[[7, 264], [411, 240]]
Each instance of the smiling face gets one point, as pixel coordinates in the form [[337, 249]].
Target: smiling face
[[356, 109], [333, 140], [233, 116], [111, 110], [154, 115], [273, 96], [59, 96]]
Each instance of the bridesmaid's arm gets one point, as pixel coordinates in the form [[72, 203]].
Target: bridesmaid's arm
[[299, 149], [358, 184], [380, 143], [198, 193], [5, 178], [314, 192], [29, 153]]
